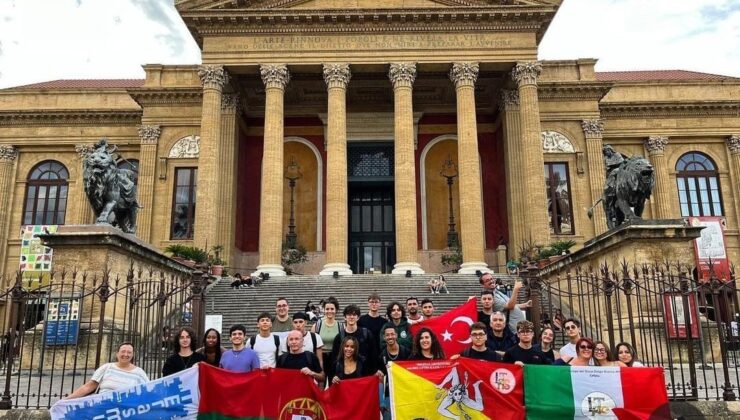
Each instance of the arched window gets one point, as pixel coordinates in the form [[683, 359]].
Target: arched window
[[698, 186], [46, 194], [133, 166]]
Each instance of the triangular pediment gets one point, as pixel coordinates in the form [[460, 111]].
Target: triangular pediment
[[195, 5]]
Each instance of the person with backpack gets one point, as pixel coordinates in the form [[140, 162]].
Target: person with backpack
[[299, 359], [312, 342], [478, 349], [368, 345], [328, 328], [265, 343]]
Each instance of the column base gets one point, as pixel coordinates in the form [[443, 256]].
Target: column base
[[403, 267], [340, 268], [274, 270], [472, 267]]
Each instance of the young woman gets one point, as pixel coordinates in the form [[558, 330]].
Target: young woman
[[603, 356], [426, 346], [212, 349], [327, 328], [547, 336], [584, 353], [113, 376], [627, 355], [350, 365], [184, 355]]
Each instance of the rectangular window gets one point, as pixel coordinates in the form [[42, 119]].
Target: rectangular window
[[559, 203], [183, 203]]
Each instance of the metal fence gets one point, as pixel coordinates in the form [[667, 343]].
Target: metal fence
[[59, 328], [687, 326]]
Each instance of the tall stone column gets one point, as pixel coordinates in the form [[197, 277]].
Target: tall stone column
[[8, 156], [733, 143], [208, 209], [149, 136], [83, 211], [337, 78], [402, 75], [275, 78], [594, 132], [655, 146], [464, 75], [230, 109], [515, 177], [537, 226]]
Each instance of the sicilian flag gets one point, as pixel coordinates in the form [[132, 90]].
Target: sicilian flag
[[460, 389], [584, 392], [452, 328]]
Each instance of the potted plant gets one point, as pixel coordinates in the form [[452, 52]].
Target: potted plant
[[215, 261], [563, 247], [179, 253]]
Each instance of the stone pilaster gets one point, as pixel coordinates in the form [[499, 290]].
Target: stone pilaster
[[537, 225], [655, 146], [275, 78], [337, 78], [593, 130], [8, 156], [83, 210], [402, 75], [733, 144], [230, 109], [208, 209], [515, 176], [149, 136], [464, 76]]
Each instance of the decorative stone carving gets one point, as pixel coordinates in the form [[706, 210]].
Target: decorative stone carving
[[402, 74], [214, 77], [337, 75], [509, 100], [593, 128], [231, 102], [463, 74], [554, 142], [733, 143], [186, 148], [149, 134], [83, 150], [526, 73], [656, 144], [275, 75], [8, 153]]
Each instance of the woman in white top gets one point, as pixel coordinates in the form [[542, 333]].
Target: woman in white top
[[114, 376]]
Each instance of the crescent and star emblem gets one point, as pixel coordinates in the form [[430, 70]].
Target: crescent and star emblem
[[447, 336]]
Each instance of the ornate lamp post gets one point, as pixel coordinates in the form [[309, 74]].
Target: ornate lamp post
[[292, 174], [449, 172]]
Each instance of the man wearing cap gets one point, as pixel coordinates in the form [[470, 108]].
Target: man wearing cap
[[312, 342], [523, 353]]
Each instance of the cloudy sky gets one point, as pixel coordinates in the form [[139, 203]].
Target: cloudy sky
[[66, 39]]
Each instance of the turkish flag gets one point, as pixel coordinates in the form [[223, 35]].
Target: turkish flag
[[452, 328]]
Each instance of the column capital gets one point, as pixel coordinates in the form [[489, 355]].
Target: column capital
[[526, 73], [464, 74], [84, 149], [275, 75], [593, 128], [509, 100], [337, 75], [8, 153], [733, 143], [231, 102], [402, 74], [149, 134], [213, 77], [656, 144]]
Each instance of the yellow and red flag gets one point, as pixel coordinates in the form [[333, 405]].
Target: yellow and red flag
[[452, 328]]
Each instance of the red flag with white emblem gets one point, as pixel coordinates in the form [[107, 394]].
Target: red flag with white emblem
[[452, 328]]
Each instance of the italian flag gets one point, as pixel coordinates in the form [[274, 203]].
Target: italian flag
[[561, 392]]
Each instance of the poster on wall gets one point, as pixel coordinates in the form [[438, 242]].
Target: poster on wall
[[710, 247], [62, 322], [675, 313], [35, 258]]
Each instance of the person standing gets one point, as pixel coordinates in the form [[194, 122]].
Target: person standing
[[299, 359], [350, 365], [547, 336], [426, 346], [584, 355], [573, 333], [412, 311], [427, 308], [501, 338], [505, 303], [212, 349], [523, 353], [368, 346], [114, 376], [486, 301], [373, 320], [266, 344], [392, 352], [282, 321], [311, 341], [397, 318], [478, 349], [239, 358], [328, 328], [185, 355]]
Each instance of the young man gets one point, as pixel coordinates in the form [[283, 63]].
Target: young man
[[239, 358], [299, 359], [368, 345], [523, 353], [312, 342], [392, 352], [266, 344], [282, 322], [504, 303], [478, 349], [486, 301], [412, 311], [573, 331], [373, 320], [427, 308], [501, 338], [397, 318]]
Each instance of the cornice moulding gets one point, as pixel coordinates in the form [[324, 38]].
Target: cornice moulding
[[76, 117], [669, 109], [146, 97], [549, 91]]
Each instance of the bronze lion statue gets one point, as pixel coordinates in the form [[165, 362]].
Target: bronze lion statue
[[110, 190], [627, 188]]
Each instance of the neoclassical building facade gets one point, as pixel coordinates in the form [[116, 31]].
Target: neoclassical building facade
[[373, 134]]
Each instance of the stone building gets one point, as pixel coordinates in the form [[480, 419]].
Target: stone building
[[395, 119]]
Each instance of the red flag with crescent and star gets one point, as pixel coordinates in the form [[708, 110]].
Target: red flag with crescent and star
[[452, 328]]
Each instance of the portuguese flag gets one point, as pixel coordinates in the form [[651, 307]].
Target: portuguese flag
[[460, 389], [283, 394], [562, 392]]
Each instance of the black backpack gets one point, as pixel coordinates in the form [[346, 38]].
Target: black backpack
[[253, 340]]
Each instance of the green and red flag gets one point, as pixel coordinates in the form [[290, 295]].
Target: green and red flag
[[452, 328], [283, 394], [459, 389], [584, 392]]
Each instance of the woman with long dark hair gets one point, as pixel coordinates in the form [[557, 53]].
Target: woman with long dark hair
[[212, 349], [184, 355], [427, 346], [349, 363], [603, 356], [626, 354]]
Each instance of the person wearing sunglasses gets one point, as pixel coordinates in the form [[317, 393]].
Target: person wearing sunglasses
[[573, 332], [584, 355]]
